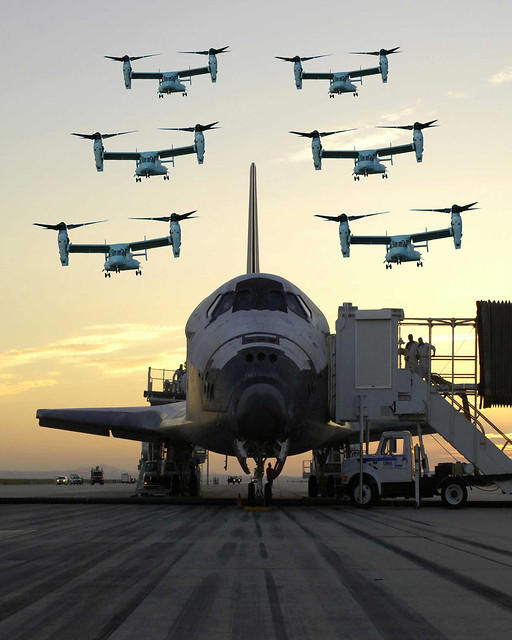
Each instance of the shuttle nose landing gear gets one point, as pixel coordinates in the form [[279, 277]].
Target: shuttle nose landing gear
[[257, 491]]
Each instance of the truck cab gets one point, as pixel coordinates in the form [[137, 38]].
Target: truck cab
[[399, 469]]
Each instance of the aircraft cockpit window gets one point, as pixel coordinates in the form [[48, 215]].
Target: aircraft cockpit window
[[259, 293], [295, 306], [225, 304]]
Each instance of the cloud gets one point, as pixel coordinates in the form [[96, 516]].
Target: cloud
[[10, 385], [86, 348], [401, 114], [457, 94], [501, 76]]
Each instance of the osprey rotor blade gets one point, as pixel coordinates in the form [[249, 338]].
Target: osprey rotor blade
[[455, 208], [366, 215], [343, 216], [319, 134], [415, 126], [299, 59], [63, 225], [184, 216], [209, 52], [380, 52], [98, 136], [83, 224], [330, 218], [160, 219], [127, 58], [197, 127]]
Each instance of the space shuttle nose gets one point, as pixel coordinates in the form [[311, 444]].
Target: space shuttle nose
[[261, 413]]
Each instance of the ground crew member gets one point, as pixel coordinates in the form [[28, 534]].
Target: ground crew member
[[423, 351], [270, 474], [411, 354]]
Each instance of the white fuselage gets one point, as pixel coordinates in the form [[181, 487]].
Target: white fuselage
[[120, 258], [150, 164], [170, 84], [401, 250], [257, 358], [367, 164], [341, 84]]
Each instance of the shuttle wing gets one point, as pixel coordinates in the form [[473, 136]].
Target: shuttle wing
[[147, 75], [358, 73], [193, 72], [152, 243], [339, 154], [431, 235], [121, 155], [177, 151], [131, 423], [400, 148]]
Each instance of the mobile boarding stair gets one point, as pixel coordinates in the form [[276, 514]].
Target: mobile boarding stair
[[369, 389]]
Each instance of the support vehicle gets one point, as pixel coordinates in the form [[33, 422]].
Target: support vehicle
[[399, 469]]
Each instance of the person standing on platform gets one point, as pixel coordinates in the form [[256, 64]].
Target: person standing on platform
[[411, 354], [424, 349]]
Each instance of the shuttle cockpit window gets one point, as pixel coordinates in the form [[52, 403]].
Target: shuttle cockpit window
[[224, 304], [261, 294], [295, 306]]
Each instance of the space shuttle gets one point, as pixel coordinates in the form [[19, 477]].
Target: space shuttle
[[257, 376]]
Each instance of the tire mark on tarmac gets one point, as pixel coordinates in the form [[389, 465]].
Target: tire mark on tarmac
[[59, 579], [226, 551], [196, 610], [263, 551], [495, 596], [468, 541], [389, 614], [143, 569], [275, 607]]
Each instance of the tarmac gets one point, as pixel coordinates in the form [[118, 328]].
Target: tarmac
[[122, 571]]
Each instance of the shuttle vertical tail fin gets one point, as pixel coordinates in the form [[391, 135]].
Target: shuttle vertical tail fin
[[253, 252]]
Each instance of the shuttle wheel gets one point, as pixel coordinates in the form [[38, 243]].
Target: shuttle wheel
[[370, 492], [454, 493], [312, 487]]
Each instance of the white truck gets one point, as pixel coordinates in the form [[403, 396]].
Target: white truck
[[398, 469]]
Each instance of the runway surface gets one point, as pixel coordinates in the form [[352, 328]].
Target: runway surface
[[93, 571]]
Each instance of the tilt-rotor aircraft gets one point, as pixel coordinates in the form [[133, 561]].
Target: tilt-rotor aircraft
[[368, 161], [404, 247], [341, 81], [174, 227], [119, 256], [148, 163], [169, 81], [257, 376]]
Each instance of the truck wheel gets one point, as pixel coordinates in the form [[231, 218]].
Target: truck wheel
[[454, 493], [370, 493], [193, 487], [331, 487], [312, 487]]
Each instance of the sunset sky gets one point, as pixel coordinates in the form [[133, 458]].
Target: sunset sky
[[71, 338]]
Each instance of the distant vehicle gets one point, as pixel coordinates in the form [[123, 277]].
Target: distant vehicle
[[74, 478], [62, 480], [126, 478], [234, 479], [97, 475]]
